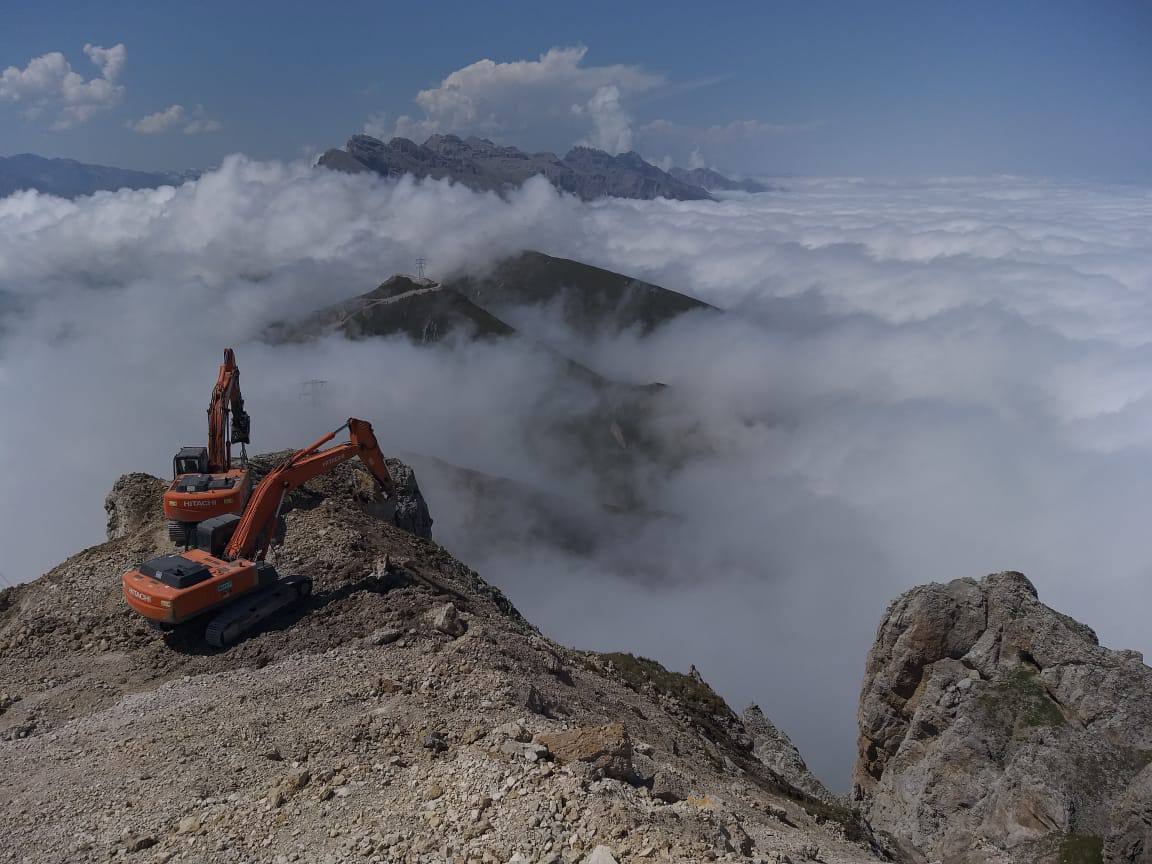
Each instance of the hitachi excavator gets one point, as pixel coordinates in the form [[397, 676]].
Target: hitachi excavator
[[225, 576], [206, 485]]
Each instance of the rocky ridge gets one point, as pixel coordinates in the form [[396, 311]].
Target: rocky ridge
[[409, 713], [714, 181], [68, 178], [484, 166], [995, 729]]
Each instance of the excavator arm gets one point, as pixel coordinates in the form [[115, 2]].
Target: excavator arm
[[257, 526], [226, 402]]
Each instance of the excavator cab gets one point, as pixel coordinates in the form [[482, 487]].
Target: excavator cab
[[190, 460]]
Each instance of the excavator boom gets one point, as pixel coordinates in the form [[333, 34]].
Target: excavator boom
[[256, 529], [226, 402]]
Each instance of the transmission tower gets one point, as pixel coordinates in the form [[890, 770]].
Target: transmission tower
[[312, 389], [420, 264]]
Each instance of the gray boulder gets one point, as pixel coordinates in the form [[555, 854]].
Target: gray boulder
[[993, 728]]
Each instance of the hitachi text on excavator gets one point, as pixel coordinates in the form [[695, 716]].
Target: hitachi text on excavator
[[225, 576], [205, 484]]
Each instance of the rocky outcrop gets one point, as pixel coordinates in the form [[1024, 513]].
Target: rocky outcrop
[[133, 501], [993, 728], [482, 165], [776, 750]]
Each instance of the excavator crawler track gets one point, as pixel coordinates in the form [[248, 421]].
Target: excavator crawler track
[[179, 532], [248, 613]]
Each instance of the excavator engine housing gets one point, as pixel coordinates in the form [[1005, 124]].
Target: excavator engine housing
[[212, 535]]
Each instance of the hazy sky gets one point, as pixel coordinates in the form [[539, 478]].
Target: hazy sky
[[1061, 89]]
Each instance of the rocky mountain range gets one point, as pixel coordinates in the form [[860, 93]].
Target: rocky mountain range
[[68, 178], [475, 162], [714, 181], [482, 165]]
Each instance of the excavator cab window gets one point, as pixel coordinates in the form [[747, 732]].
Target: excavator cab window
[[190, 460]]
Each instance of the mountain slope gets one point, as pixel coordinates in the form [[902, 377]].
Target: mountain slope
[[482, 165], [68, 178], [404, 305], [409, 713], [589, 298]]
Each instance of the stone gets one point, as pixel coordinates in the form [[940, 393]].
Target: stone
[[600, 855], [446, 618], [436, 741], [733, 838], [524, 750], [1130, 838], [188, 825], [297, 779], [139, 844], [607, 749], [670, 786], [514, 730], [385, 636]]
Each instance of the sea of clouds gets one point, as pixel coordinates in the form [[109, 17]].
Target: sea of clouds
[[916, 381]]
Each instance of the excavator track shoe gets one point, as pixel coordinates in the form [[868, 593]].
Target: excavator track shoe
[[178, 532], [247, 613]]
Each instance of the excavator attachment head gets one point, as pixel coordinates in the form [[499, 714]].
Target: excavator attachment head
[[241, 427]]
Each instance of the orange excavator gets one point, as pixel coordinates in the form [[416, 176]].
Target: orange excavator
[[205, 484], [225, 575]]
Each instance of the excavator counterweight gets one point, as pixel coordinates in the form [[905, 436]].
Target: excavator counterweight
[[226, 573]]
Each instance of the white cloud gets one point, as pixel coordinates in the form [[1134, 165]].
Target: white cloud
[[549, 102], [377, 126], [176, 117], [742, 145], [612, 124], [48, 85], [918, 381]]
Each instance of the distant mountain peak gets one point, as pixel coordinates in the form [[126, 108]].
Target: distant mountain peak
[[486, 166], [714, 181], [69, 178]]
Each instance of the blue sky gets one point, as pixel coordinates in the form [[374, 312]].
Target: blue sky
[[1060, 89]]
